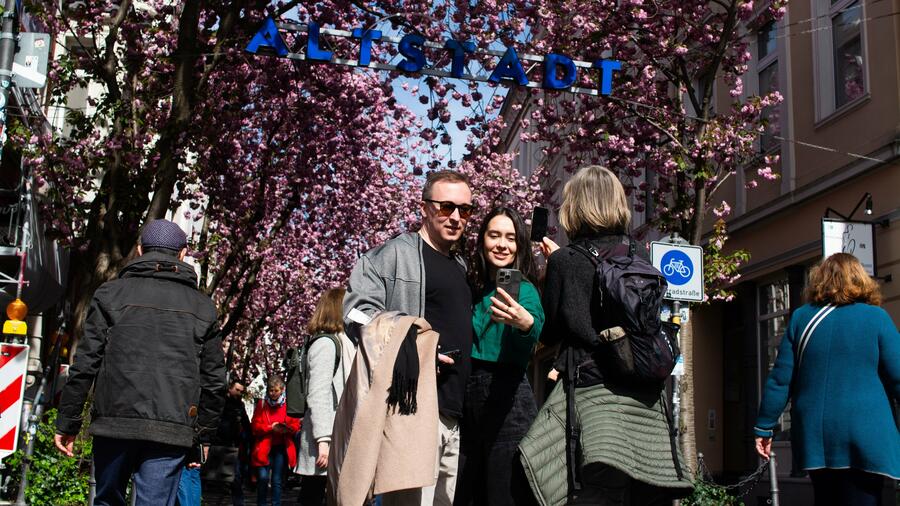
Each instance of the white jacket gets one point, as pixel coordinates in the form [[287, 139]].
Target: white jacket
[[325, 390]]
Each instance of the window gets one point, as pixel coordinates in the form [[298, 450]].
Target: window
[[840, 51], [846, 21], [767, 68], [773, 317]]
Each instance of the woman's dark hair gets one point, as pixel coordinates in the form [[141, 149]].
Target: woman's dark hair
[[479, 275]]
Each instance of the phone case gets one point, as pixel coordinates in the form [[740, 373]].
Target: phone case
[[539, 219], [509, 280]]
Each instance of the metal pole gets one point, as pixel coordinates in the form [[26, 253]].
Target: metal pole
[[92, 485], [33, 420], [773, 480], [8, 29]]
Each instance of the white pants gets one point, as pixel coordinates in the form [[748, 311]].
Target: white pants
[[447, 460]]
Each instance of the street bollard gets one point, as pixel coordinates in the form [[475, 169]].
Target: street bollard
[[92, 486], [773, 480]]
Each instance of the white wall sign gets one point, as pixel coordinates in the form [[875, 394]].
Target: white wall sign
[[682, 266], [854, 237]]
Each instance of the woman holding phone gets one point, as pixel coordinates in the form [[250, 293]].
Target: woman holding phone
[[274, 432], [624, 451], [499, 403]]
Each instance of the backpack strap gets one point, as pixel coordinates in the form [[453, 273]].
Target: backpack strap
[[810, 328], [337, 350]]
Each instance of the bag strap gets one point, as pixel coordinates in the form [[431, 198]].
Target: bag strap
[[573, 432], [337, 351], [810, 328]]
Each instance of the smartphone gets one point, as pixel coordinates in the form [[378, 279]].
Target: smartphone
[[454, 354], [509, 280], [539, 223]]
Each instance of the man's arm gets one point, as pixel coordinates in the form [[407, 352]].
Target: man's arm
[[212, 386], [87, 362], [365, 292]]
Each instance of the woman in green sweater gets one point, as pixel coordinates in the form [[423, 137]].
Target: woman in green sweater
[[499, 403]]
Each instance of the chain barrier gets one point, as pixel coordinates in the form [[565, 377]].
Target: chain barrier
[[739, 489]]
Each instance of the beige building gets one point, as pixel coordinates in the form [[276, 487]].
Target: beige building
[[837, 64]]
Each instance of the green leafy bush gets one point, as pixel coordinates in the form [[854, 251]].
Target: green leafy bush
[[709, 494], [53, 478]]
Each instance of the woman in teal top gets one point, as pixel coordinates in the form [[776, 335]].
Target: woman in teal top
[[499, 404], [839, 363]]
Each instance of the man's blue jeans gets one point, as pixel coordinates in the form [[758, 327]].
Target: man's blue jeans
[[274, 473], [156, 469], [189, 487]]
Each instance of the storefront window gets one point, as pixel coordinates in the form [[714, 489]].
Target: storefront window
[[773, 318]]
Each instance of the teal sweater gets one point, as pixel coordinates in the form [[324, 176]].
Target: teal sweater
[[841, 392], [497, 342]]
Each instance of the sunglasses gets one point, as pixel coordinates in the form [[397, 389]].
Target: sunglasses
[[446, 208]]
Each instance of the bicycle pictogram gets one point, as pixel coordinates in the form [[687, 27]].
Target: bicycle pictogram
[[677, 266]]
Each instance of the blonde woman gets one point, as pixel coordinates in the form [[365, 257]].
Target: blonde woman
[[839, 361], [625, 453], [330, 358]]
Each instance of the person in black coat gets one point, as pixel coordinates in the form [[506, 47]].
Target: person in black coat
[[152, 350]]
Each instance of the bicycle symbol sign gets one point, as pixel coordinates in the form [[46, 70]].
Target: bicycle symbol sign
[[682, 266], [677, 267]]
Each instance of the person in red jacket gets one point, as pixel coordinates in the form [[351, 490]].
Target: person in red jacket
[[274, 432]]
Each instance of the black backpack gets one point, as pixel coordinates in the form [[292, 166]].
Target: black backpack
[[640, 347], [296, 364]]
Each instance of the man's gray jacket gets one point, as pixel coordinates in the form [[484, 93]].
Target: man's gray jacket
[[390, 277]]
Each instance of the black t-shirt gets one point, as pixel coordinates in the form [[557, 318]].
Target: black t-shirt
[[448, 308]]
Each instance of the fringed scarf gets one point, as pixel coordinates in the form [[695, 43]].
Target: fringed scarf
[[404, 385]]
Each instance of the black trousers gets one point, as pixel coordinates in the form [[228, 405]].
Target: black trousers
[[499, 410], [604, 485], [312, 490], [846, 487]]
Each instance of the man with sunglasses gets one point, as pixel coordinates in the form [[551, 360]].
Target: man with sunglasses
[[419, 274]]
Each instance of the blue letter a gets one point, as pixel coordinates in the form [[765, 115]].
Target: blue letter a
[[268, 37], [509, 68]]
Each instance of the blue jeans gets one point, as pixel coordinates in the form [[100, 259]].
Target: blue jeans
[[189, 487], [156, 468], [274, 473], [237, 484]]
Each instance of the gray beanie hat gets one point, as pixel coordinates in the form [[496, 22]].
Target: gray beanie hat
[[163, 234]]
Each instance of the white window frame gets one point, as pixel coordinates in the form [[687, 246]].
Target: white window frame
[[823, 58]]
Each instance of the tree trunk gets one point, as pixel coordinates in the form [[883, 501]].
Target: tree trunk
[[687, 425]]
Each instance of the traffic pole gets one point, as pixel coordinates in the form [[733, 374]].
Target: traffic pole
[[9, 27]]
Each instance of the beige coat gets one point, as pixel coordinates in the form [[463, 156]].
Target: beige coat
[[374, 450]]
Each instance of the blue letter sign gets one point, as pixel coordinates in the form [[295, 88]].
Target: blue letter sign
[[268, 37], [411, 47], [365, 43], [553, 61], [509, 68], [459, 49], [312, 45], [607, 68]]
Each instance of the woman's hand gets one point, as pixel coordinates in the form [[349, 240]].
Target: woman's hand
[[548, 247], [510, 312], [322, 459], [764, 446]]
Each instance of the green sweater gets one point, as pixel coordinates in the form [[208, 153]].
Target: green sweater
[[497, 342]]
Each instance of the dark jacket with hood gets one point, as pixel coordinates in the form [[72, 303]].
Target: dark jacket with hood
[[151, 347]]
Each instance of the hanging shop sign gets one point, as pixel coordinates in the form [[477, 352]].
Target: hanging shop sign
[[560, 72], [854, 237]]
